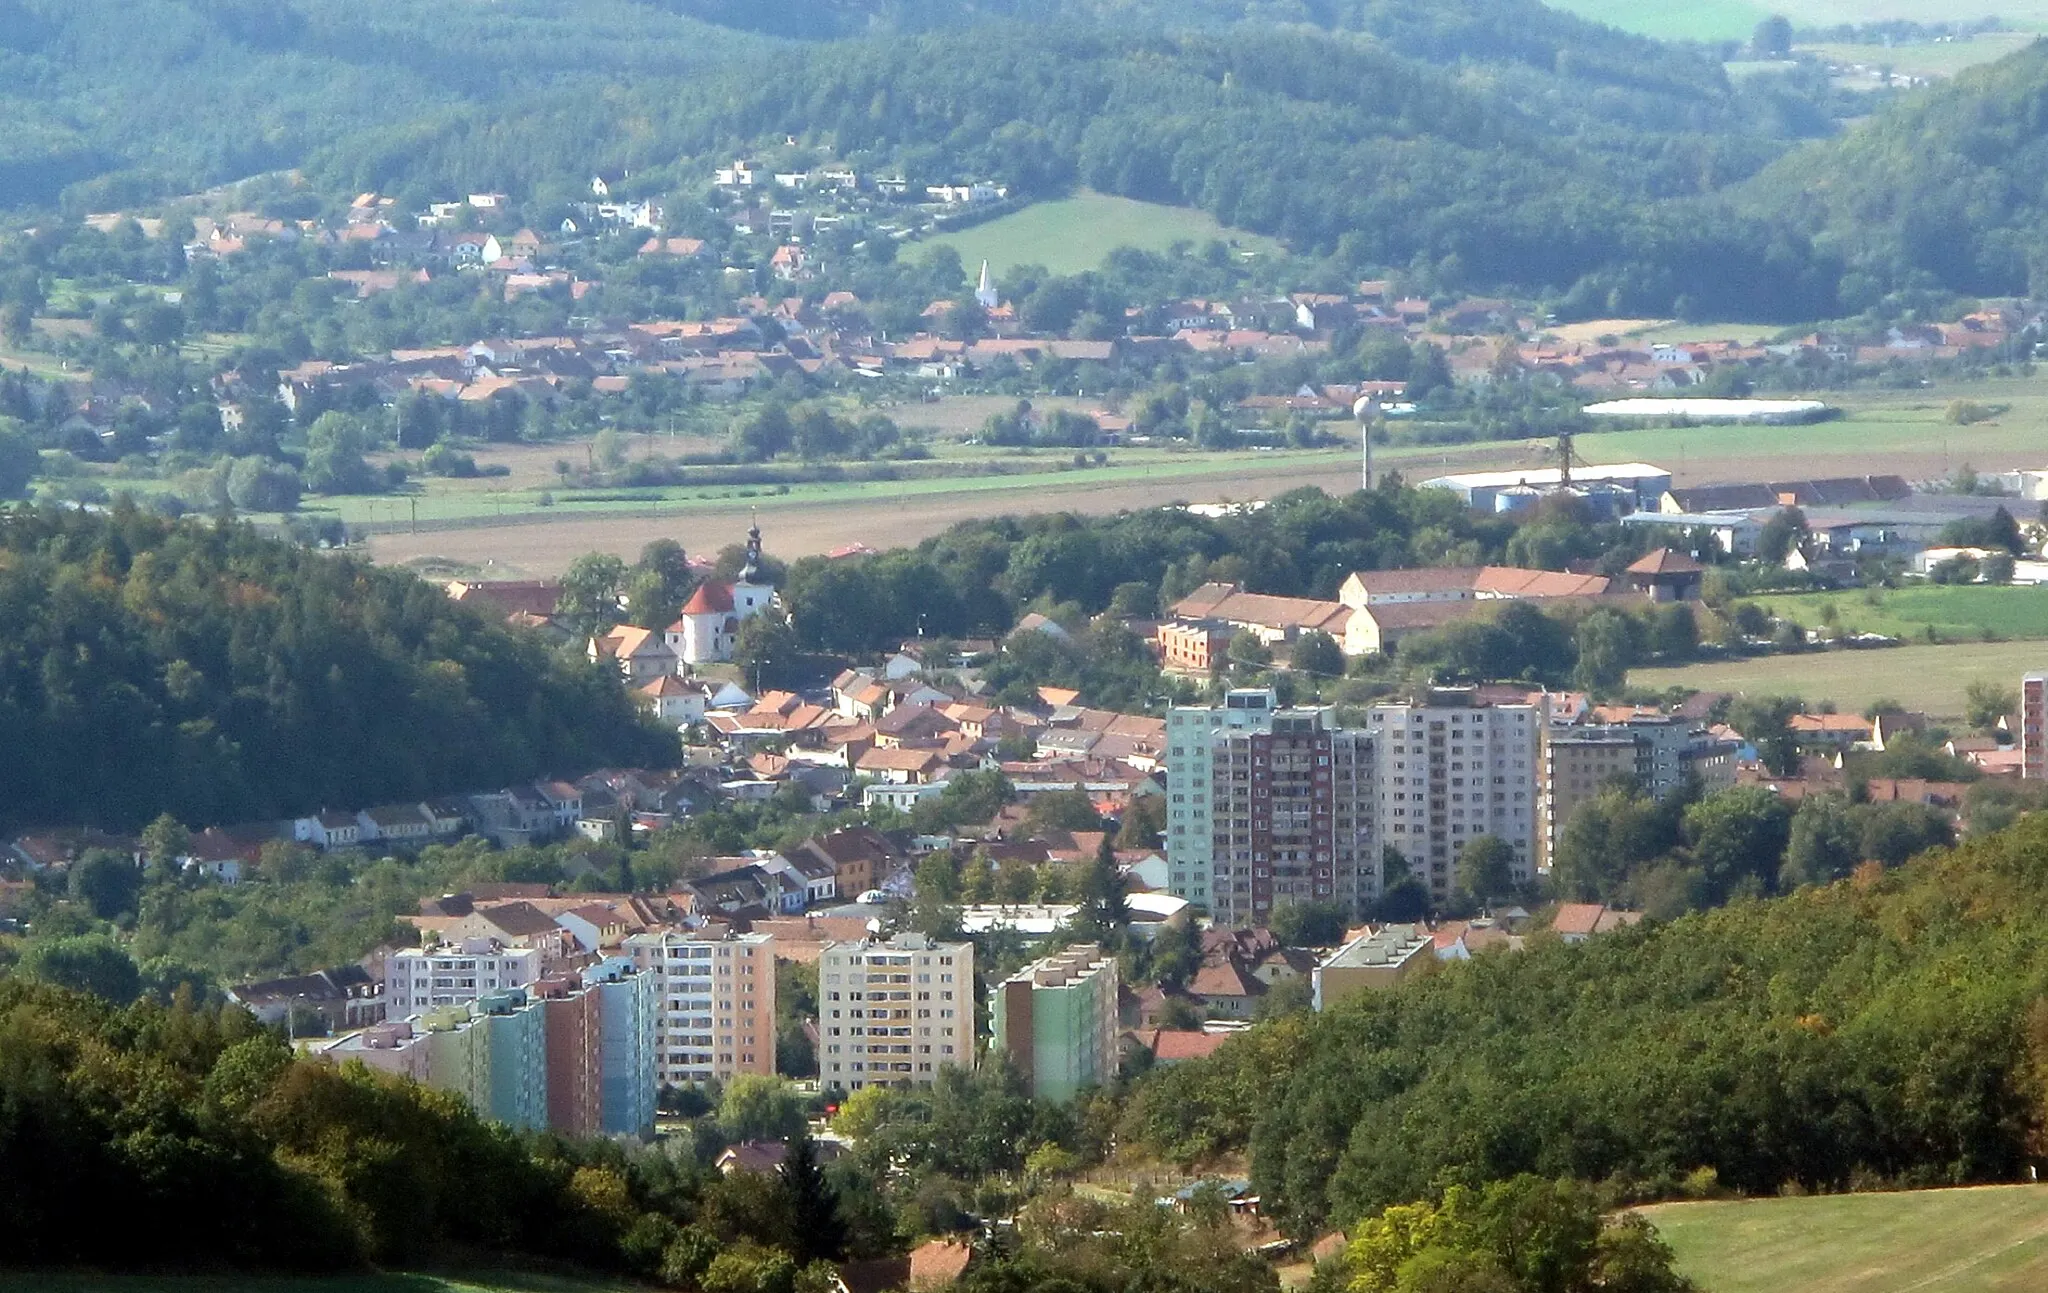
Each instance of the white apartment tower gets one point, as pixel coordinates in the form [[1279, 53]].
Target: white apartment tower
[[717, 1016], [894, 1012], [1450, 771], [454, 974]]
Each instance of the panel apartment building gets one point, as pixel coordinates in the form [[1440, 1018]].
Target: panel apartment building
[[717, 1013], [1055, 1021], [1268, 807], [573, 1054], [453, 974], [1660, 753], [894, 1012], [1452, 770]]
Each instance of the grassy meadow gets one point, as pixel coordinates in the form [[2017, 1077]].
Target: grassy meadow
[[1991, 1239], [1074, 234], [1926, 678], [1956, 612], [1715, 20]]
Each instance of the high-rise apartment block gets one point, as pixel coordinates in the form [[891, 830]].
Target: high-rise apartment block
[[1055, 1020], [1268, 807], [717, 1015], [1450, 771], [894, 1012], [454, 974], [574, 1054]]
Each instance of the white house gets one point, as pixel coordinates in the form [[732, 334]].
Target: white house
[[328, 830], [674, 701]]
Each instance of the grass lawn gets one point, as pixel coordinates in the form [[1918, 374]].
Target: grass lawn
[[1926, 678], [1956, 612], [395, 1282], [1985, 1240], [1074, 234]]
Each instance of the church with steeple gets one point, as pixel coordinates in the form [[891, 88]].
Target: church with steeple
[[709, 627]]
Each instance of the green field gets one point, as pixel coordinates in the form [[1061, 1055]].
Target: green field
[[1924, 58], [1736, 19], [1955, 612], [489, 1282], [1926, 678], [1986, 1240], [1074, 234]]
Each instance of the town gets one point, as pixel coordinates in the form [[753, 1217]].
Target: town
[[875, 646]]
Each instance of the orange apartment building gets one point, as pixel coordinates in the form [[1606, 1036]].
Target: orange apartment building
[[717, 1013]]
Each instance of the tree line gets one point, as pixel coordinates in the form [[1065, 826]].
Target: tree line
[[203, 670]]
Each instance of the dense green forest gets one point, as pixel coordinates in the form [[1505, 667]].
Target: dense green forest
[[1382, 142], [1944, 188], [1486, 144], [1889, 1028], [205, 671]]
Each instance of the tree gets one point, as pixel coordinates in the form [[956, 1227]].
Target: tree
[[1737, 835], [1824, 844], [1987, 703], [1894, 832], [1062, 810], [1606, 643], [591, 589], [106, 882], [19, 460], [1144, 822], [819, 1234], [91, 963], [1765, 722], [757, 1107], [1104, 902], [1247, 647], [335, 444], [766, 652], [1486, 868], [1316, 653], [1772, 38], [164, 841], [1781, 534], [659, 584], [259, 485], [1309, 924]]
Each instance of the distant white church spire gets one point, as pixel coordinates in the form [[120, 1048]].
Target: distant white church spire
[[985, 291]]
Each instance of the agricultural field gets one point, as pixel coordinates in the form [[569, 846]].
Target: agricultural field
[[1928, 59], [1926, 678], [1074, 234], [1989, 1239], [1714, 20], [409, 1282], [1956, 612]]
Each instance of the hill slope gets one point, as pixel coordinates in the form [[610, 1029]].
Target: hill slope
[[1945, 188], [207, 672], [1489, 143], [1892, 1028]]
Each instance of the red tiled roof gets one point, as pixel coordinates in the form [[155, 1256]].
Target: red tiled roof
[[711, 598]]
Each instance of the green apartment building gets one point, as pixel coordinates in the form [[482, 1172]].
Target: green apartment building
[[1055, 1020]]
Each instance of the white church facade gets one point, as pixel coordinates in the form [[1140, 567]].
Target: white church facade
[[709, 627]]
